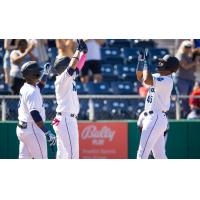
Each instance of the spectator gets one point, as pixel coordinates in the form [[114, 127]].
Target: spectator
[[40, 50], [9, 45], [196, 59], [65, 47], [194, 103], [185, 75], [18, 57], [93, 62]]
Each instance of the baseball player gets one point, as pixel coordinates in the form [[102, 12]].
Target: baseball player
[[31, 130], [156, 105], [65, 122]]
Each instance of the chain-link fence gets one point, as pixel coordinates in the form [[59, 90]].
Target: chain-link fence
[[94, 107]]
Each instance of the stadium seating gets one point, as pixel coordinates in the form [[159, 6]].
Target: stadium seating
[[130, 55], [4, 89], [126, 72], [119, 43], [49, 88], [111, 55], [109, 72], [122, 87], [99, 88]]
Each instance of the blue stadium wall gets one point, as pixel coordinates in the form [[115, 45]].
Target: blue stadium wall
[[183, 140]]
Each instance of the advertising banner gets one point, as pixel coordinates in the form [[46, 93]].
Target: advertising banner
[[103, 140]]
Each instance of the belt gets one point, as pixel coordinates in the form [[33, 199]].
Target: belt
[[151, 112], [22, 125], [71, 115]]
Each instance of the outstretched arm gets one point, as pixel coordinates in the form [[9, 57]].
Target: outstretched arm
[[142, 72], [79, 56]]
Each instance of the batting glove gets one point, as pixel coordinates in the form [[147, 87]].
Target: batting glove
[[47, 68], [51, 138], [81, 46]]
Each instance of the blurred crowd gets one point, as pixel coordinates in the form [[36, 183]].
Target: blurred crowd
[[19, 51]]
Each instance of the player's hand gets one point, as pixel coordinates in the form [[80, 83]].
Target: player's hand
[[81, 46], [47, 68], [51, 138]]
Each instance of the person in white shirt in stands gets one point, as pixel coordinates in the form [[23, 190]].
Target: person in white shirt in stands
[[18, 57], [157, 103], [93, 62]]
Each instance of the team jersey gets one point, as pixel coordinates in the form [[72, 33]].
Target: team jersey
[[30, 99], [66, 93], [158, 97]]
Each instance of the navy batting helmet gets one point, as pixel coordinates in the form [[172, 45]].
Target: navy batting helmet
[[61, 64], [31, 70], [169, 63]]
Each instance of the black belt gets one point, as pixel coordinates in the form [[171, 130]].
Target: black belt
[[22, 125], [151, 112], [71, 115]]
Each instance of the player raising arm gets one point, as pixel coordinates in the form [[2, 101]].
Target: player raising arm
[[156, 105], [65, 123], [31, 130]]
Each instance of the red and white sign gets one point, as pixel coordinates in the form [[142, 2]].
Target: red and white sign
[[103, 140]]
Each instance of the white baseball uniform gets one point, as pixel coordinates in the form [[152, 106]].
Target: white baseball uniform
[[154, 121], [67, 110], [32, 139]]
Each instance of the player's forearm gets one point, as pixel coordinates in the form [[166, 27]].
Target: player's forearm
[[139, 70], [75, 59], [38, 120], [147, 77]]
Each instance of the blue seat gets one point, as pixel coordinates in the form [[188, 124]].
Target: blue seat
[[126, 72], [130, 55], [119, 43], [99, 88], [143, 43], [81, 89], [108, 72], [156, 53], [83, 114], [118, 109], [4, 89], [122, 87], [49, 88], [50, 108], [111, 55]]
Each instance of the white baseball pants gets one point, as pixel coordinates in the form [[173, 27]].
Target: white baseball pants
[[33, 144], [152, 136], [67, 137]]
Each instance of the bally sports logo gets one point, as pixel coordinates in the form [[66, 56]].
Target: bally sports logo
[[97, 137]]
